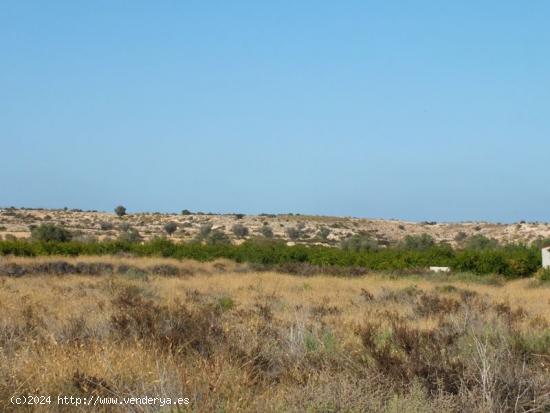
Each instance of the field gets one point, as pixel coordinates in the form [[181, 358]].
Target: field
[[231, 338]]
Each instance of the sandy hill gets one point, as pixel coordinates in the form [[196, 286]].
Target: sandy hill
[[311, 229]]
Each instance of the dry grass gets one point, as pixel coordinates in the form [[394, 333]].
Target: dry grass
[[235, 340]]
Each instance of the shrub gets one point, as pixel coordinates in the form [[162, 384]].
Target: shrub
[[481, 242], [171, 329], [543, 274], [541, 242], [266, 231], [170, 227], [204, 230], [217, 237], [50, 232], [106, 226], [225, 303], [509, 261], [461, 236], [417, 242], [293, 233], [359, 243], [120, 210], [132, 235], [186, 212], [239, 216], [240, 230], [323, 233], [125, 226]]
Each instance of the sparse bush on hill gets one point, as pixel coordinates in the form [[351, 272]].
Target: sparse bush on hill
[[217, 237], [131, 235], [120, 210], [481, 242], [204, 231], [125, 226], [50, 232], [460, 237], [266, 231], [267, 215], [80, 236], [358, 243], [239, 216], [294, 233], [170, 227], [323, 233], [106, 226], [186, 212], [418, 242], [240, 230]]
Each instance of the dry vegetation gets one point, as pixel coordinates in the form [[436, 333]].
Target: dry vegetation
[[101, 225], [232, 339]]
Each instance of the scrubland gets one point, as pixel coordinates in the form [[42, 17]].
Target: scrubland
[[233, 339], [293, 228]]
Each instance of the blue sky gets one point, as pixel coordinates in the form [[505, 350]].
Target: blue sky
[[420, 110]]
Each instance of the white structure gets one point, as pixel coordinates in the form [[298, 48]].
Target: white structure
[[546, 257], [440, 269]]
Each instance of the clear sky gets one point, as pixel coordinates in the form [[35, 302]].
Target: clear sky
[[420, 110]]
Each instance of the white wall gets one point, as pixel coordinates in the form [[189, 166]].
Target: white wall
[[546, 257], [440, 269]]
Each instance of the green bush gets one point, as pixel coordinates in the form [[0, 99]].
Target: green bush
[[509, 261], [204, 231], [120, 210], [323, 233], [50, 232], [106, 226], [418, 242], [543, 274], [131, 235], [481, 242], [359, 243], [240, 230], [217, 237], [294, 233], [266, 231], [225, 303], [170, 227]]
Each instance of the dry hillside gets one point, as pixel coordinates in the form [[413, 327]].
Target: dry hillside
[[101, 225]]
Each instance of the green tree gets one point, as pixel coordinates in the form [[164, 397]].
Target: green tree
[[120, 211], [170, 228]]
